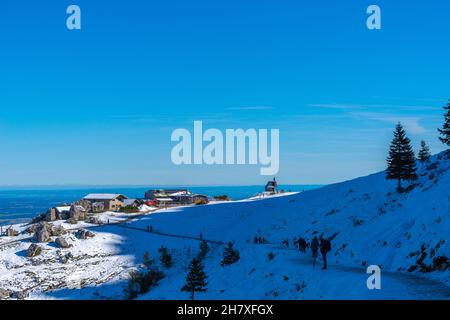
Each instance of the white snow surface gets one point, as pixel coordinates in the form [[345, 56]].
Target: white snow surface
[[371, 222]]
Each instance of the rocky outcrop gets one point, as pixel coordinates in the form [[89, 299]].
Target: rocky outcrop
[[62, 243], [98, 207], [77, 212], [87, 206], [63, 215], [33, 250], [31, 229], [20, 295], [4, 294], [57, 231], [93, 220], [84, 234], [51, 215], [65, 258], [43, 232], [72, 221]]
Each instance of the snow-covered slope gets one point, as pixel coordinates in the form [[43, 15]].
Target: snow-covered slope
[[373, 222], [370, 222]]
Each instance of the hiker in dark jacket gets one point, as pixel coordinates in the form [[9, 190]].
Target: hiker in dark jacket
[[302, 244], [325, 247], [314, 248]]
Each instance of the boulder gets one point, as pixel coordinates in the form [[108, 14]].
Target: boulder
[[4, 294], [93, 220], [20, 295], [33, 250], [31, 229], [43, 232], [63, 215], [90, 234], [84, 234], [51, 215], [57, 231], [10, 232], [66, 258], [72, 221], [98, 207], [61, 242], [77, 212], [86, 204]]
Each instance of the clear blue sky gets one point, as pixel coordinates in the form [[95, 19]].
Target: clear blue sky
[[97, 106]]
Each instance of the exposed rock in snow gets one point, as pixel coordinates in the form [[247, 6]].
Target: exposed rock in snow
[[10, 232], [33, 250], [51, 215], [42, 232], [77, 212], [72, 221], [57, 231], [84, 234], [84, 205], [4, 294], [31, 229], [62, 242], [20, 295], [93, 220]]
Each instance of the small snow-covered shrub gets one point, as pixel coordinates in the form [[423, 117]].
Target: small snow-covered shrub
[[230, 255]]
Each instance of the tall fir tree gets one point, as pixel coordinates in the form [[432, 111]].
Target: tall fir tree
[[401, 162], [196, 278], [445, 131], [424, 153]]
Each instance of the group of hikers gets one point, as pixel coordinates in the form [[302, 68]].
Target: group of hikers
[[321, 243]]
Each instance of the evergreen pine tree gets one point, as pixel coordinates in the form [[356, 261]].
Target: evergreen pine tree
[[204, 249], [230, 255], [445, 131], [424, 153], [166, 257], [196, 278], [401, 162]]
